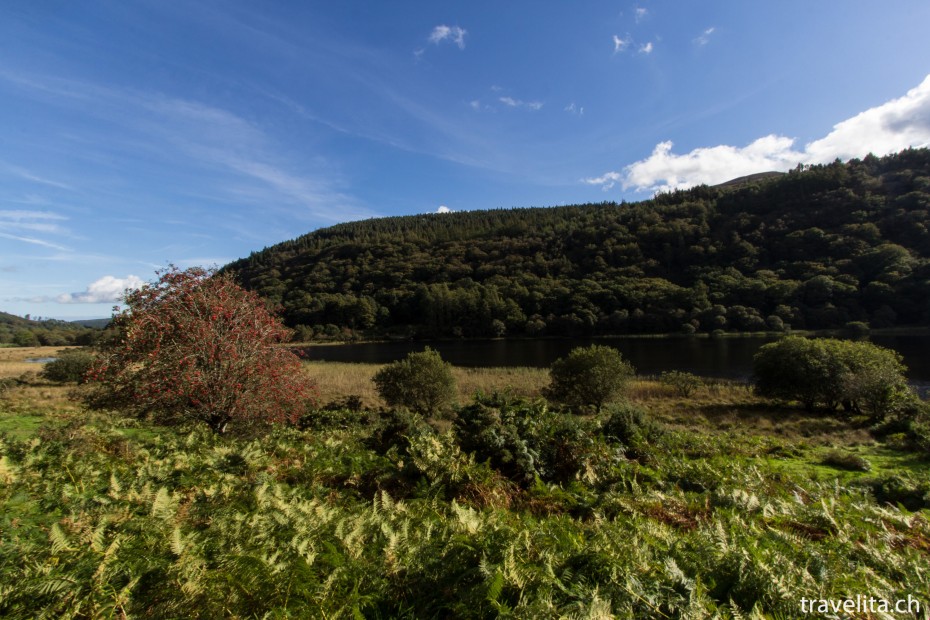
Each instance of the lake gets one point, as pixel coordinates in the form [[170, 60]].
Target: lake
[[708, 357]]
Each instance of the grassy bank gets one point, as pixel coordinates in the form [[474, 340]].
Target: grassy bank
[[731, 506]]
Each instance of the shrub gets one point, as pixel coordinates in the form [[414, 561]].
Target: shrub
[[195, 346], [421, 382], [589, 377], [847, 461], [395, 429], [69, 367], [684, 383], [903, 489], [497, 434], [631, 427], [524, 440], [860, 375], [856, 329]]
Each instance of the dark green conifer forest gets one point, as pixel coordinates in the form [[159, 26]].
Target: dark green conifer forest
[[816, 248]]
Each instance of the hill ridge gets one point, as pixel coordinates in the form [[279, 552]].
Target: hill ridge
[[817, 247]]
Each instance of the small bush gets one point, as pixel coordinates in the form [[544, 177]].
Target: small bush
[[331, 418], [395, 429], [632, 428], [910, 492], [684, 383], [589, 377], [69, 367], [847, 461], [496, 434], [524, 441], [856, 329], [421, 382], [6, 383]]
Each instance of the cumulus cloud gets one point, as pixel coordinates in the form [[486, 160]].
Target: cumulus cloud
[[450, 33], [444, 209], [107, 289], [646, 49], [888, 128]]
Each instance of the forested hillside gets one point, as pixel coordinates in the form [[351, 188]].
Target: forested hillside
[[46, 332], [816, 248]]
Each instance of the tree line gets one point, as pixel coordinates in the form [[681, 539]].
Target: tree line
[[28, 332], [816, 248]]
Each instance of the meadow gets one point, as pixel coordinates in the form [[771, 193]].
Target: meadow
[[721, 504]]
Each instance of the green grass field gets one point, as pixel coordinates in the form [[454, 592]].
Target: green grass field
[[730, 509]]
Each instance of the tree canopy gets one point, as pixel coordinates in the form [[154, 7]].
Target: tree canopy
[[195, 346], [860, 375], [816, 248]]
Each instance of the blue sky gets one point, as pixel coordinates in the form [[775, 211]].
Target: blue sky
[[141, 133]]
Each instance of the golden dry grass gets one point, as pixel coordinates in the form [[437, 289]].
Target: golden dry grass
[[336, 380], [13, 359]]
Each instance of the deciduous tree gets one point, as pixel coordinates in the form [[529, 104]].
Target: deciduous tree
[[589, 377], [194, 345]]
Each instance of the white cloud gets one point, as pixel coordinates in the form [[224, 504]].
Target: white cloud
[[646, 49], [517, 103], [107, 289], [888, 128], [620, 44], [704, 37], [30, 176], [452, 33], [444, 209], [640, 13], [573, 109], [475, 104], [14, 223]]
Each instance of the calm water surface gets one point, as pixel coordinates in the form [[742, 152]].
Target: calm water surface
[[724, 357]]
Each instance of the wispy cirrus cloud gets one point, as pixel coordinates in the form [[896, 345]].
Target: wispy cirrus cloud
[[895, 125], [574, 109], [204, 136], [455, 34], [704, 38], [28, 175], [620, 44], [510, 102], [646, 48], [24, 226]]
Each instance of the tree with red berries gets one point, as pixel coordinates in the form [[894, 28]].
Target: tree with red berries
[[195, 346]]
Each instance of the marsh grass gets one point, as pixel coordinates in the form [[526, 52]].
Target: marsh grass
[[13, 359], [338, 380]]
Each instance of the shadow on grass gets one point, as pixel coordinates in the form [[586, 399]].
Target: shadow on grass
[[780, 420]]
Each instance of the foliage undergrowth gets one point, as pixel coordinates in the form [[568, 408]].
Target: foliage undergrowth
[[386, 516]]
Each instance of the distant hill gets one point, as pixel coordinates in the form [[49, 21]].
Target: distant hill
[[815, 248], [92, 323], [750, 179], [47, 332]]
